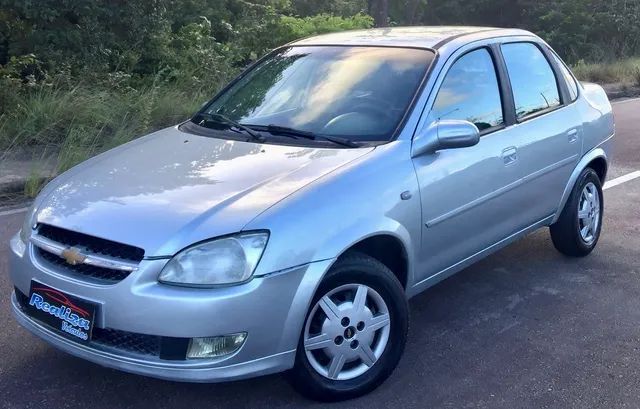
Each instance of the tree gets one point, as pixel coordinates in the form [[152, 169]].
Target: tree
[[379, 10]]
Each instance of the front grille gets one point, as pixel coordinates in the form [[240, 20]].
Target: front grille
[[89, 244], [81, 271], [93, 244], [126, 341], [111, 339]]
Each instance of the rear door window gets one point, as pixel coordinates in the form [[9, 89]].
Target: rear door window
[[533, 82]]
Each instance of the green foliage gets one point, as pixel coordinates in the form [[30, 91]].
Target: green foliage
[[593, 30], [23, 68], [291, 28], [343, 8]]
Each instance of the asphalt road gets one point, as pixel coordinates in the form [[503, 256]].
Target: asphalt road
[[524, 328]]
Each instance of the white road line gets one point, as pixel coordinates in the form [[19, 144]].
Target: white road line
[[622, 179], [13, 211], [625, 101]]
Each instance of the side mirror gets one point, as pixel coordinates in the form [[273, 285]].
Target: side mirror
[[445, 134]]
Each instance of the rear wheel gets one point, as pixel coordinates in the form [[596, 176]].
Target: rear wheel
[[354, 333], [577, 230]]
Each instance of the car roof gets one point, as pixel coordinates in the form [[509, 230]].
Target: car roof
[[418, 36]]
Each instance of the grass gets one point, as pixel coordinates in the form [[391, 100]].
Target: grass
[[624, 71], [93, 118]]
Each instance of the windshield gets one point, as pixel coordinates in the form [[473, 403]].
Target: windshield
[[359, 93]]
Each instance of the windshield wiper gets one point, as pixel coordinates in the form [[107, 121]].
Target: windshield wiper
[[286, 131], [221, 119]]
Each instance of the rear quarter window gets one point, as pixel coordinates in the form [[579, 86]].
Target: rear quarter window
[[572, 85]]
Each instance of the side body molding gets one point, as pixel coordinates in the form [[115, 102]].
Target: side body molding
[[595, 153]]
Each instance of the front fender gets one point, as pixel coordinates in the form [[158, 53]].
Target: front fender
[[317, 270], [360, 200]]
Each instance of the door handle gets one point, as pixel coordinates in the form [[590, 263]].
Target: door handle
[[510, 155], [572, 135]]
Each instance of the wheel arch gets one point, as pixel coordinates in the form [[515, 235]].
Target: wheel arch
[[394, 236], [365, 244], [595, 159], [600, 165], [387, 249]]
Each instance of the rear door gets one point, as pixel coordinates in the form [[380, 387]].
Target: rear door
[[547, 129]]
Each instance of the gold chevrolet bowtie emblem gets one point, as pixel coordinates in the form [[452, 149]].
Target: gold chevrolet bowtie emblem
[[73, 256]]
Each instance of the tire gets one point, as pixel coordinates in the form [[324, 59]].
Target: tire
[[346, 279], [567, 233]]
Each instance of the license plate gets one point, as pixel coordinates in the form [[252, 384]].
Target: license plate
[[69, 315]]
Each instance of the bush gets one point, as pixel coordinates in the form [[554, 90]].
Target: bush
[[292, 28], [636, 76], [623, 71]]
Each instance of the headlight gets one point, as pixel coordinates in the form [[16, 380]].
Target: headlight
[[226, 260], [27, 225]]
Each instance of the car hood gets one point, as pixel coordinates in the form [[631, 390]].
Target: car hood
[[170, 189]]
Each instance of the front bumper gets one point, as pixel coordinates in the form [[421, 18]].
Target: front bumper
[[271, 309]]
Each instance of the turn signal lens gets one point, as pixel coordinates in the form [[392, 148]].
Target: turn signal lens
[[215, 347]]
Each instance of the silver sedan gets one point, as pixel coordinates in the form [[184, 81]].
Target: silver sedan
[[285, 225]]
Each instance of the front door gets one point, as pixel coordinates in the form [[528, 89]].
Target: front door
[[468, 196]]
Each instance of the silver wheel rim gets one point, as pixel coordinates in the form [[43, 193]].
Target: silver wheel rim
[[346, 332], [589, 213]]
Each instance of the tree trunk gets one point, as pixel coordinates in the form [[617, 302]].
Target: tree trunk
[[379, 10], [410, 16]]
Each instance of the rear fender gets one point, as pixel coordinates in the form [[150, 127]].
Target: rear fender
[[596, 153], [596, 97]]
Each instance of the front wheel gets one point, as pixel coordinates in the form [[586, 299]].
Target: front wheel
[[577, 230], [355, 331]]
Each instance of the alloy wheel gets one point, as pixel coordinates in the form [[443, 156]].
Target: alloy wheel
[[589, 213], [347, 332]]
